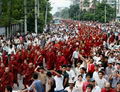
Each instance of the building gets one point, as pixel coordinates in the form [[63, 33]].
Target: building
[[113, 3]]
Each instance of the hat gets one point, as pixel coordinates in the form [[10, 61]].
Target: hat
[[92, 80], [110, 62], [71, 81]]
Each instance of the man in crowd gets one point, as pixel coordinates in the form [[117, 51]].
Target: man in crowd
[[58, 48]]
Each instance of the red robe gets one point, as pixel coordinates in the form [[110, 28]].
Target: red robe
[[28, 76], [60, 61], [50, 60], [1, 71], [13, 65], [6, 79]]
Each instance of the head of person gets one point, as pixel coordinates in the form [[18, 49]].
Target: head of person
[[30, 65], [93, 82], [2, 65], [89, 88], [118, 65], [41, 69], [88, 77], [118, 87], [7, 69], [12, 57], [101, 74], [25, 61], [80, 77], [71, 84], [100, 64], [63, 68], [59, 72], [96, 67], [107, 86], [77, 49], [49, 74], [110, 64], [8, 89], [91, 59], [78, 64], [35, 76], [68, 67], [82, 70]]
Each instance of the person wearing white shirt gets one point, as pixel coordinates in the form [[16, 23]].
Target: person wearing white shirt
[[77, 69], [59, 81], [95, 87], [75, 56], [71, 87], [101, 81], [71, 73], [79, 83], [95, 73], [97, 58]]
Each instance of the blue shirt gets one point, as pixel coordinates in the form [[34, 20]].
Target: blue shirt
[[38, 86]]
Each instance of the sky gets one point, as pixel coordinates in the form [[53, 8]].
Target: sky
[[59, 4]]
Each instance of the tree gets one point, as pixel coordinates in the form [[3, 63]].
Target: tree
[[12, 11], [86, 3]]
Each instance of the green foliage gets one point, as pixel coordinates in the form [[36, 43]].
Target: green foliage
[[13, 12], [96, 13], [86, 3]]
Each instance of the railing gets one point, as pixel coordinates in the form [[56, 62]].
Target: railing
[[14, 29]]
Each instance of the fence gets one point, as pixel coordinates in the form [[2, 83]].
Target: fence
[[15, 28]]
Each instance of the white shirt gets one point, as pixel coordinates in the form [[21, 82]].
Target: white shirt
[[101, 82], [59, 83], [71, 74], [75, 54], [79, 85], [74, 89], [96, 59], [77, 71], [95, 75], [96, 89]]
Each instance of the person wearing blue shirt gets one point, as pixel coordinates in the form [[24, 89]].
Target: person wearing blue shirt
[[36, 86]]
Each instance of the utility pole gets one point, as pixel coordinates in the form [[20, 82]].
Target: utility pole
[[25, 16], [38, 8], [36, 17], [105, 13], [46, 13]]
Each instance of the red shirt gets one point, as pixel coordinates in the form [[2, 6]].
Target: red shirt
[[111, 90]]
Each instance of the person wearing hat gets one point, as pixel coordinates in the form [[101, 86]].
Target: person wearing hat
[[71, 87], [96, 88]]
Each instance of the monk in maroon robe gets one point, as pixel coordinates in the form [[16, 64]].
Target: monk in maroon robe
[[6, 79], [28, 75], [60, 61]]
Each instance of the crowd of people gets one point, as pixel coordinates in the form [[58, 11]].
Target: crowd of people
[[72, 56]]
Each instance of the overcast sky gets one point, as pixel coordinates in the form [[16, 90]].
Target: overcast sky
[[58, 4]]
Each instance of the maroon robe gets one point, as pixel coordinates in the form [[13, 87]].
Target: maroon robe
[[6, 79]]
